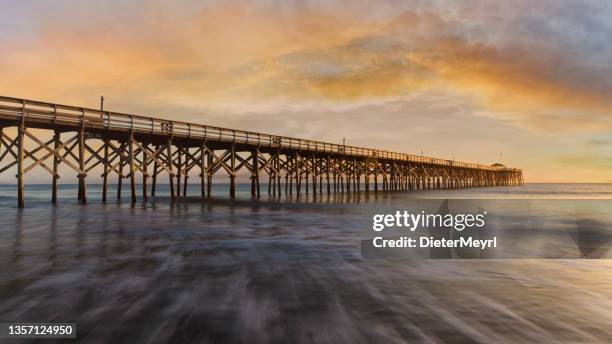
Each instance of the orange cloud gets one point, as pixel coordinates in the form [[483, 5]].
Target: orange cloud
[[519, 82], [237, 56]]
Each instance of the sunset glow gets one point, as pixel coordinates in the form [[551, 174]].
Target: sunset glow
[[527, 84]]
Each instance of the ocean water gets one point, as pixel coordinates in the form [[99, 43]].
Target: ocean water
[[289, 270]]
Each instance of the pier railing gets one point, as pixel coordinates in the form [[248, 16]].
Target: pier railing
[[110, 120]]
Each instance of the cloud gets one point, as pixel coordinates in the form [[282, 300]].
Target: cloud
[[534, 86], [321, 68], [237, 55]]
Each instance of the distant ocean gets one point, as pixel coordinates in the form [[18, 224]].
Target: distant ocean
[[68, 192], [288, 269]]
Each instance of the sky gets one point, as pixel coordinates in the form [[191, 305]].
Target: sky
[[524, 83]]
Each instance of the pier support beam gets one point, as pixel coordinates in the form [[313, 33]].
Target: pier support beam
[[253, 163], [179, 170], [209, 174], [155, 172], [56, 145], [255, 190], [121, 153], [203, 169], [145, 172], [132, 167], [233, 172], [105, 172], [169, 162], [82, 185], [186, 172], [20, 154]]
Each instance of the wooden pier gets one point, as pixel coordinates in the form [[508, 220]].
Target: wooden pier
[[126, 145]]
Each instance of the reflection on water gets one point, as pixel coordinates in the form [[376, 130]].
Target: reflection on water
[[275, 270]]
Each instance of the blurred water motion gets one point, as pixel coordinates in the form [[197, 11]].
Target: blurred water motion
[[282, 270]]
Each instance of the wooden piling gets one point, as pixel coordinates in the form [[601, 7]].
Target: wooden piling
[[132, 168], [170, 163], [278, 175], [271, 181], [203, 169], [256, 169], [327, 175], [155, 172], [253, 164], [56, 145], [209, 179], [20, 155], [233, 172], [179, 170], [145, 172], [83, 186], [186, 171], [120, 174], [105, 172]]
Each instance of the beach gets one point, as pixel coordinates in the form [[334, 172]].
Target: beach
[[283, 270]]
